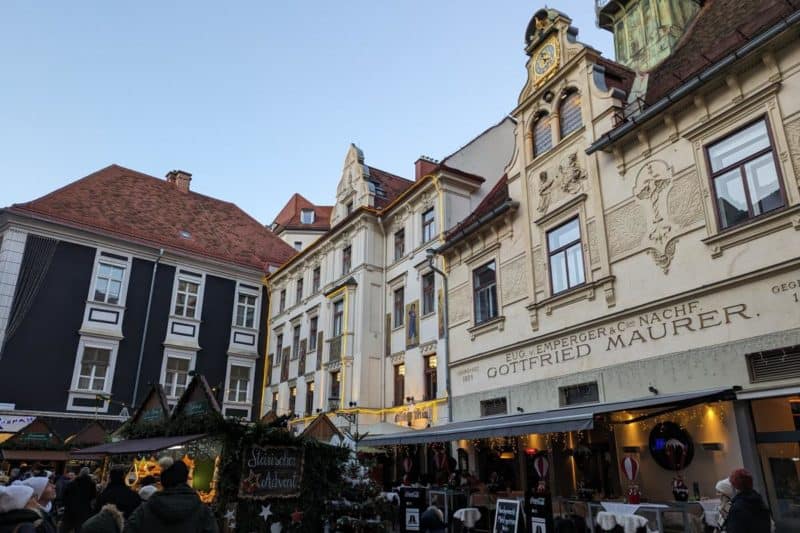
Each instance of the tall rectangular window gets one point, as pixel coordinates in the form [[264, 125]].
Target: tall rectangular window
[[176, 376], [298, 245], [399, 302], [282, 302], [278, 347], [186, 298], [430, 377], [745, 176], [108, 283], [484, 280], [94, 369], [309, 398], [313, 324], [399, 244], [399, 384], [274, 402], [346, 259], [336, 383], [428, 293], [296, 342], [292, 399], [245, 310], [338, 318], [316, 279], [428, 225], [238, 383], [298, 292], [566, 256]]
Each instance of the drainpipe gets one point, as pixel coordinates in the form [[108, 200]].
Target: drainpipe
[[144, 331], [383, 318], [431, 255]]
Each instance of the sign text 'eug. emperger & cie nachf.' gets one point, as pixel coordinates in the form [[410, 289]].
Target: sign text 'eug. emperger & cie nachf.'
[[271, 472]]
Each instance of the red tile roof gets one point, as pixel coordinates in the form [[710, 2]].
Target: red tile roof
[[495, 198], [391, 185], [289, 217], [134, 206], [719, 28]]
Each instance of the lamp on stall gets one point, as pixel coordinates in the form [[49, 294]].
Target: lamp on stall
[[507, 455]]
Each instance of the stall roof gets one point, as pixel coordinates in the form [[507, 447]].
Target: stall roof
[[567, 419], [124, 447], [35, 455]]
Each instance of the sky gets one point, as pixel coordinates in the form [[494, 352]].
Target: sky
[[257, 99]]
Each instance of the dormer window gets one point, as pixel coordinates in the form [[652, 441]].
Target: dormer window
[[307, 216]]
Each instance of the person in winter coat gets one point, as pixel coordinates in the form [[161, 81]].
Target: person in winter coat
[[78, 497], [108, 520], [118, 494], [176, 509], [44, 492], [14, 517], [432, 521], [748, 512], [725, 493]]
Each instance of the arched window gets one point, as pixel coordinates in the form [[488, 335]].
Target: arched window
[[570, 113], [542, 135]]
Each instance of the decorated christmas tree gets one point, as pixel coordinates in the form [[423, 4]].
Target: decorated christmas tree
[[359, 508]]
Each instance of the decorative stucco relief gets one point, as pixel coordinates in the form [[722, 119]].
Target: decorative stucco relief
[[793, 138], [591, 236], [538, 269], [664, 259], [565, 180], [651, 182], [512, 277], [685, 201], [458, 305], [627, 227]]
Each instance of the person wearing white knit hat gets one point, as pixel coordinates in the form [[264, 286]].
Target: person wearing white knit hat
[[44, 492], [725, 492], [14, 516]]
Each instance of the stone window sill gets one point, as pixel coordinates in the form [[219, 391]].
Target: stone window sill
[[753, 229], [497, 323]]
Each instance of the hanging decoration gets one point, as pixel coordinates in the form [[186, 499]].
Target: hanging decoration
[[671, 446], [542, 466], [630, 468]]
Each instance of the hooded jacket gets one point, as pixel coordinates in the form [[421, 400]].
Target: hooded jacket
[[118, 494], [24, 519], [78, 496], [108, 520], [748, 514], [176, 509]]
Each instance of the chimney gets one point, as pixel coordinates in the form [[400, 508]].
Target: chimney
[[424, 166], [180, 179]]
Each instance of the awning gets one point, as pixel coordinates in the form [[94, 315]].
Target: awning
[[126, 447], [35, 455], [561, 420]]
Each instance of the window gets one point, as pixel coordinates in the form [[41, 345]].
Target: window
[[238, 384], [176, 376], [399, 244], [298, 291], [346, 259], [292, 399], [274, 402], [108, 284], [336, 382], [428, 293], [306, 216], [570, 113], [542, 135], [399, 384], [485, 292], [312, 333], [428, 225], [577, 394], [282, 303], [566, 256], [338, 318], [186, 298], [430, 377], [744, 175], [315, 280], [295, 342], [278, 347], [494, 406], [245, 310], [94, 369], [309, 398], [298, 245], [399, 301]]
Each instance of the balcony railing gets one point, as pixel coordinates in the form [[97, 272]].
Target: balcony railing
[[335, 349]]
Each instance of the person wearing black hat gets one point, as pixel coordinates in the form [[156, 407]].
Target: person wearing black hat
[[177, 508]]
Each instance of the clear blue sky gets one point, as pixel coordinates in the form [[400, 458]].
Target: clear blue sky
[[257, 99]]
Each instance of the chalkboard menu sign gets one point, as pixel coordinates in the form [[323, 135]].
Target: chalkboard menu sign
[[506, 517], [271, 472]]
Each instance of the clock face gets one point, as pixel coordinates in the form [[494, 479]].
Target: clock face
[[545, 59]]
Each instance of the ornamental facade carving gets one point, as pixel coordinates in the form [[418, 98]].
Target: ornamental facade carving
[[512, 275], [565, 180], [793, 138]]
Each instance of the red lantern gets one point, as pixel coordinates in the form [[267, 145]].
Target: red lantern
[[630, 467]]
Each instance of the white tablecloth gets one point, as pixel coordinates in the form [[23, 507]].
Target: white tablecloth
[[630, 523], [710, 511], [391, 497], [469, 516], [620, 508]]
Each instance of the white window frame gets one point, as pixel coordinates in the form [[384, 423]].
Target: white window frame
[[248, 404], [311, 216], [246, 290], [177, 354], [112, 261], [75, 392], [200, 279]]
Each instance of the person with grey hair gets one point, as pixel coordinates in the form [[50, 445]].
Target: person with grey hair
[[78, 497]]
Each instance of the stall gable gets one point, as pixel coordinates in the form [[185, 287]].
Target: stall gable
[[91, 434], [197, 400], [36, 435], [154, 408], [322, 429]]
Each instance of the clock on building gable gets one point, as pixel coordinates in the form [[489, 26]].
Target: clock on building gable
[[546, 60]]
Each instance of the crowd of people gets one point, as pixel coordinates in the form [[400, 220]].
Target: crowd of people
[[36, 502]]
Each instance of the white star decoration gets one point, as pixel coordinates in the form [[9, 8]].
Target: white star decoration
[[265, 512], [230, 515]]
